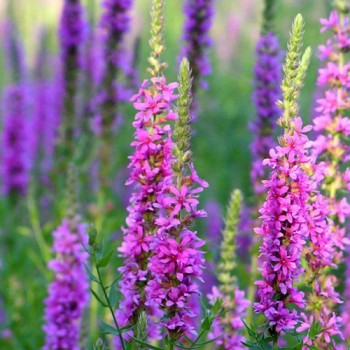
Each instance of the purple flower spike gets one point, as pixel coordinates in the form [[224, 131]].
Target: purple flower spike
[[15, 162], [266, 93], [71, 33], [331, 150], [71, 29], [151, 176], [115, 21], [284, 230], [199, 17], [69, 292]]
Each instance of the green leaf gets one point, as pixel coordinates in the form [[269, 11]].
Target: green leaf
[[109, 329], [249, 344], [198, 345], [206, 324], [98, 298], [99, 250], [267, 340], [103, 262], [315, 330], [113, 295], [250, 331], [148, 346], [91, 275], [217, 306]]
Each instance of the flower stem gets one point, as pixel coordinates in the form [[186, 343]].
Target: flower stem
[[109, 304]]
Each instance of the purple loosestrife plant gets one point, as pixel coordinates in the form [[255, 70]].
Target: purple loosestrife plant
[[284, 230], [331, 123], [199, 16], [286, 212], [177, 262], [151, 175], [69, 292], [331, 150]]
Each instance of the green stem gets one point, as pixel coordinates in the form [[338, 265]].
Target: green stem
[[37, 231], [197, 339], [109, 304]]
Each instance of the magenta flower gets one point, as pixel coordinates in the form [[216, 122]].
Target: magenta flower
[[177, 261], [151, 176], [331, 152], [284, 230], [69, 292]]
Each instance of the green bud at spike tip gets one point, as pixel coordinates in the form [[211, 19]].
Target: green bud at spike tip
[[156, 42], [182, 129], [228, 246], [295, 68]]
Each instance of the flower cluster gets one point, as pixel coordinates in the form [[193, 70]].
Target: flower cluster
[[284, 230], [15, 160], [151, 176], [323, 299], [69, 292], [199, 14], [333, 128], [266, 93], [177, 260]]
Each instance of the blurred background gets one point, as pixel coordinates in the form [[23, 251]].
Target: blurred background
[[221, 138], [221, 142]]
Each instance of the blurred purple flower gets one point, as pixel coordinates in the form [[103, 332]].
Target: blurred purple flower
[[115, 21], [69, 292], [267, 79], [331, 151], [199, 17], [15, 156]]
